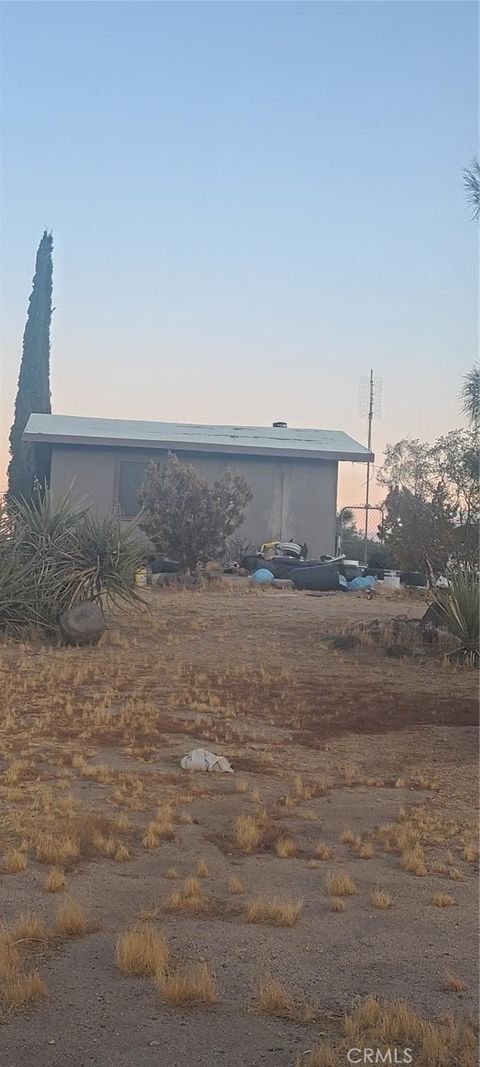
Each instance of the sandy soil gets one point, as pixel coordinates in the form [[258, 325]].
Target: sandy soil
[[377, 742]]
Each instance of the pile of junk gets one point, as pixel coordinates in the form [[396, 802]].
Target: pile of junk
[[286, 560]]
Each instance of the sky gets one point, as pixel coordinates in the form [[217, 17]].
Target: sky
[[252, 205]]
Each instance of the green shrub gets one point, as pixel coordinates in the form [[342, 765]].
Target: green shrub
[[459, 606], [55, 553]]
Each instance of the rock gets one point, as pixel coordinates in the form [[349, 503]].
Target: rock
[[282, 583], [398, 651], [83, 625], [345, 641]]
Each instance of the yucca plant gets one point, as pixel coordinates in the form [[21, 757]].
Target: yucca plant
[[459, 605], [105, 553], [55, 553]]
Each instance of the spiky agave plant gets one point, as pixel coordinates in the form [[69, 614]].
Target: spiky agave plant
[[459, 606], [55, 553]]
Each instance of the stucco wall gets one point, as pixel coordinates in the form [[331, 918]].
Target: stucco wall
[[292, 498]]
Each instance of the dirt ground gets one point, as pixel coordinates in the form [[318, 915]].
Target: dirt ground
[[326, 745]]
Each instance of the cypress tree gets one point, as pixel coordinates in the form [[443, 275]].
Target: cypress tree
[[33, 392]]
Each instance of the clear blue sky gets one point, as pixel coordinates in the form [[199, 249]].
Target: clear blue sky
[[251, 205]]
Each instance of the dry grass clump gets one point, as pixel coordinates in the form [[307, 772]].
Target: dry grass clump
[[442, 900], [349, 838], [235, 886], [339, 884], [71, 920], [413, 860], [248, 832], [285, 847], [122, 854], [381, 899], [55, 881], [471, 852], [241, 786], [24, 989], [14, 861], [28, 927], [323, 851], [193, 985], [190, 900], [393, 1024], [454, 983], [321, 1056], [10, 963], [17, 987], [141, 950], [201, 868], [170, 872], [336, 904], [365, 850], [276, 911], [273, 999], [58, 849], [150, 838]]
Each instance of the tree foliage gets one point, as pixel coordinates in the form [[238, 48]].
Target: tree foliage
[[472, 184], [470, 396], [186, 517], [432, 503], [33, 392]]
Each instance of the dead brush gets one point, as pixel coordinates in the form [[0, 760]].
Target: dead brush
[[189, 985], [381, 899], [336, 904], [10, 962], [235, 886], [394, 1023], [190, 900], [14, 861], [275, 911], [453, 983], [413, 860], [323, 851], [339, 884], [28, 927], [57, 848], [142, 950], [23, 989], [71, 920], [273, 999], [443, 900], [285, 847], [248, 832], [55, 881], [201, 868], [320, 1056]]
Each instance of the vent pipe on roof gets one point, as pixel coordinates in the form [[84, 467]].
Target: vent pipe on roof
[[279, 425]]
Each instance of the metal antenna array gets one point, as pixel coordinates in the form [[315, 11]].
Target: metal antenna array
[[369, 407]]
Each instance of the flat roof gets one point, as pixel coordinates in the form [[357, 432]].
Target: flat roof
[[229, 440]]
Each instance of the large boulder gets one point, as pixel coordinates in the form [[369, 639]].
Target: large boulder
[[82, 625]]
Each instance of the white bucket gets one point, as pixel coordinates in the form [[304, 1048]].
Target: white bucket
[[391, 580]]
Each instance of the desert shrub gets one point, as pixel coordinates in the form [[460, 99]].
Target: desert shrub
[[188, 518], [55, 553], [458, 605]]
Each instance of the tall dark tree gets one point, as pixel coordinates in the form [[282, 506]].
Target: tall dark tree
[[33, 392]]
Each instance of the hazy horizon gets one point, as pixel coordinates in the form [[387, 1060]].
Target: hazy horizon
[[251, 206]]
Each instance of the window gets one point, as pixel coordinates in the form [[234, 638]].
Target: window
[[130, 480]]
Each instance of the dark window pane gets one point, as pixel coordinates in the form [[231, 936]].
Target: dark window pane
[[132, 476]]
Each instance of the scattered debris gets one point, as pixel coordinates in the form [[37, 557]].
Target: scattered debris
[[199, 759]]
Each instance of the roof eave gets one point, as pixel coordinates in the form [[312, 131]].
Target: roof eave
[[190, 446]]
